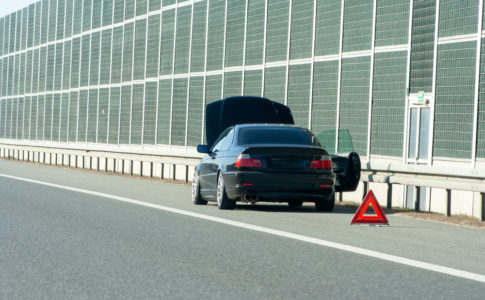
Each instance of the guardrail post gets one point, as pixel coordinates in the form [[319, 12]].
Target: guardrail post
[[448, 202], [417, 192], [366, 188], [482, 217], [389, 195]]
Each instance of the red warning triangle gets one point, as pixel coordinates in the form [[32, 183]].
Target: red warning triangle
[[379, 218]]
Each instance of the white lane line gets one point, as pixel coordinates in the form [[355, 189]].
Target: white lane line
[[321, 242]]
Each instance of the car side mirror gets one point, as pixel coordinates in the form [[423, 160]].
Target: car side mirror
[[203, 149]]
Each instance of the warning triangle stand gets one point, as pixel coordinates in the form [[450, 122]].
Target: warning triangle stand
[[378, 218]]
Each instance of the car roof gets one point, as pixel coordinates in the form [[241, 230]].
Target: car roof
[[268, 125]]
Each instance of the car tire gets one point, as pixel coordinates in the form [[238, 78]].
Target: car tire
[[295, 203], [223, 202], [196, 197], [325, 204]]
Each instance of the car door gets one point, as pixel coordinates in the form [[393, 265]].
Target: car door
[[209, 167]]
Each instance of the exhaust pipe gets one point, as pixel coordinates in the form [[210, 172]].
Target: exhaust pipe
[[250, 198]]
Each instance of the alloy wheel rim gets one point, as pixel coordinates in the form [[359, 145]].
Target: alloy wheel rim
[[219, 190], [195, 183]]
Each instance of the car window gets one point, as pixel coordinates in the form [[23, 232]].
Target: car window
[[220, 140], [314, 139], [273, 135], [327, 139], [217, 146], [227, 141]]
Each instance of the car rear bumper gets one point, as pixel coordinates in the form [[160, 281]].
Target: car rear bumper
[[279, 187]]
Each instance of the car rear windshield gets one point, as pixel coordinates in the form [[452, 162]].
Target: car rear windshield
[[273, 135]]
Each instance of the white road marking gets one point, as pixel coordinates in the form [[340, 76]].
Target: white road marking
[[298, 237]]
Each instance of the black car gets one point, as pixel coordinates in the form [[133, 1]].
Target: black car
[[256, 154]]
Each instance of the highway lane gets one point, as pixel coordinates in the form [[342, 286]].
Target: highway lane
[[57, 243]]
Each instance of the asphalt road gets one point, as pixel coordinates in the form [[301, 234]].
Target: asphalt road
[[57, 243]]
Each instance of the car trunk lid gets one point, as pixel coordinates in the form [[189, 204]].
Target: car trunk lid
[[287, 158]]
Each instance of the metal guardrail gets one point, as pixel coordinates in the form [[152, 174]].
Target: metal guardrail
[[435, 177]]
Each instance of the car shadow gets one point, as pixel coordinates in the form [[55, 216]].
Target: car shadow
[[284, 208], [306, 208]]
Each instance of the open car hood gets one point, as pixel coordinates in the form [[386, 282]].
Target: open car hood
[[242, 110], [249, 109]]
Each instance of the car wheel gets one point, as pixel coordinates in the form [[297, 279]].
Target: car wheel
[[196, 197], [295, 203], [325, 204], [223, 202]]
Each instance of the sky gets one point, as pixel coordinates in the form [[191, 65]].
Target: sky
[[9, 6]]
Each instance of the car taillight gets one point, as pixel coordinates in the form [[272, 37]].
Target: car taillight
[[321, 164], [244, 161]]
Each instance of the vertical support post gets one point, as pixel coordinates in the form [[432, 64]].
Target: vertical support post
[[448, 202], [62, 81], [173, 73], [17, 119], [89, 76], [288, 52], [435, 58], [389, 195], [32, 73], [79, 76], [263, 73], [477, 84], [110, 81], [482, 216], [313, 65], [133, 73], [244, 47], [11, 118], [205, 75], [417, 193], [371, 78], [224, 50], [121, 74], [99, 72], [145, 82], [158, 80], [339, 75], [54, 77], [1, 118], [22, 88], [188, 76], [68, 124]]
